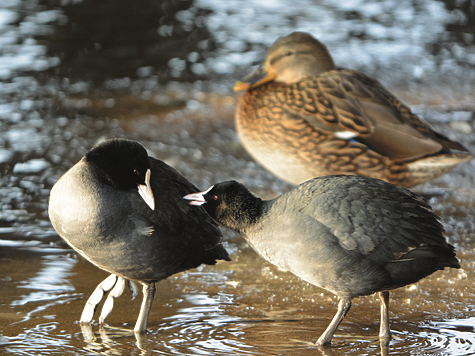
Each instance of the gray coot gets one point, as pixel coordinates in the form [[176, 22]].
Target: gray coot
[[123, 211], [350, 235]]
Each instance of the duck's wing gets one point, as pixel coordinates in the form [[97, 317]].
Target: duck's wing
[[356, 107]]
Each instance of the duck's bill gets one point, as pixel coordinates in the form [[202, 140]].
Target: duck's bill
[[145, 191], [197, 198], [262, 75]]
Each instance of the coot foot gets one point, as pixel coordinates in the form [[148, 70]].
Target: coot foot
[[116, 286], [96, 296], [109, 303]]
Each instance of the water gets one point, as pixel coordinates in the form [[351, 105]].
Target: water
[[73, 72]]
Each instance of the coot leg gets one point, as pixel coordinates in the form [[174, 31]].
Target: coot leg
[[96, 296], [133, 288], [343, 307], [384, 332], [148, 294], [109, 303]]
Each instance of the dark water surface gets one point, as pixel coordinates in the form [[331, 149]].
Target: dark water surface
[[161, 72]]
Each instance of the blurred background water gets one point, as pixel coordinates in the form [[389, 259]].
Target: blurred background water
[[73, 72]]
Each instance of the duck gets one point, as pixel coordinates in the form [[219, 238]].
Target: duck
[[123, 211], [350, 235], [300, 116]]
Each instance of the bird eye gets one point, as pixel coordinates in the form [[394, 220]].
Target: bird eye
[[289, 53], [136, 172]]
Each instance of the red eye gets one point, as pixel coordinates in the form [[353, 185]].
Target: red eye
[[215, 197]]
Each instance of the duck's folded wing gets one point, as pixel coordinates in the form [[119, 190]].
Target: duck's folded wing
[[353, 106]]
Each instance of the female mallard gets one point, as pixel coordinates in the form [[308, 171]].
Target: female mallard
[[302, 117]]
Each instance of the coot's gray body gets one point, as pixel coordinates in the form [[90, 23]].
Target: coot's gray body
[[350, 235]]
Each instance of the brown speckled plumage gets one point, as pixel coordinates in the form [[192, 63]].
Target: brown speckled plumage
[[302, 117]]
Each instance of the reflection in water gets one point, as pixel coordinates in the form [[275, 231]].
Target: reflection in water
[[202, 323], [103, 341], [455, 335], [199, 328], [50, 286], [43, 339], [459, 37], [18, 50], [96, 40]]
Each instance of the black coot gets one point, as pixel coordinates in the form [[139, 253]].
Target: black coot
[[350, 235], [124, 212]]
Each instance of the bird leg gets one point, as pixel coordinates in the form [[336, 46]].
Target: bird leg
[[95, 298], [148, 294], [384, 332], [109, 303], [343, 307], [133, 288]]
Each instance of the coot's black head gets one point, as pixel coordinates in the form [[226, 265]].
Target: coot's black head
[[123, 164], [229, 203]]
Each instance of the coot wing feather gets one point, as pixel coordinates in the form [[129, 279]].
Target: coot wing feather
[[169, 187], [370, 217]]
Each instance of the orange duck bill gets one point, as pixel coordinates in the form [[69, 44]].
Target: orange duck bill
[[262, 75]]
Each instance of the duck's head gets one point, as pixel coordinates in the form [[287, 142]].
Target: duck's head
[[289, 60]]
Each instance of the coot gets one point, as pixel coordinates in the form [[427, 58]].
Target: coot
[[302, 117], [123, 211], [350, 235]]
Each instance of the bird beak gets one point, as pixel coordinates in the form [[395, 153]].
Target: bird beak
[[145, 191], [197, 198], [262, 75]]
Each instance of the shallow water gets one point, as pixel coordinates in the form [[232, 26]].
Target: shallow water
[[75, 72]]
